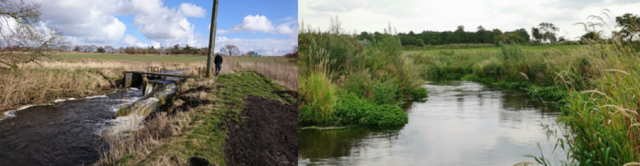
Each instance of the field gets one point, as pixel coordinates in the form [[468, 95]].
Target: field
[[525, 48], [156, 58]]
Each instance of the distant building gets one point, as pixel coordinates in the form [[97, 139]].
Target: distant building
[[255, 54]]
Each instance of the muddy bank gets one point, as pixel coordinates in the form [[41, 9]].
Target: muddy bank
[[268, 135]]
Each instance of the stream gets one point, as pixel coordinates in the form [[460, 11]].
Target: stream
[[460, 123], [70, 131]]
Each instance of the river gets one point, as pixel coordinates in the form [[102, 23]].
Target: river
[[460, 123], [70, 131]]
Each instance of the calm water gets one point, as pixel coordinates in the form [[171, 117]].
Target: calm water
[[461, 123]]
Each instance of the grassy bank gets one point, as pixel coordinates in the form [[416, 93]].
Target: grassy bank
[[447, 49], [596, 83], [344, 81], [177, 136]]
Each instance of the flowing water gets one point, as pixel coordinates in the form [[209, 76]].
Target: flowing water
[[67, 133], [70, 131], [460, 123]]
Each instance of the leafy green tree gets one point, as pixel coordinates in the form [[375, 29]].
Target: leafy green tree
[[590, 36], [545, 32], [630, 24], [510, 37]]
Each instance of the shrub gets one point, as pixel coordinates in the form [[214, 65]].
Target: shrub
[[352, 110], [419, 93]]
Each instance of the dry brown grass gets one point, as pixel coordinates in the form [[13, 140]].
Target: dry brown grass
[[37, 86], [283, 73], [142, 141], [49, 80]]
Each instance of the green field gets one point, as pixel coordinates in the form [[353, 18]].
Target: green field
[[525, 48], [132, 57], [147, 58]]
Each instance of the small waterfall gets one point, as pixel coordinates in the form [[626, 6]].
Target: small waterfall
[[153, 92]]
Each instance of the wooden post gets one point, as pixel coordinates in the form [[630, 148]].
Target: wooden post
[[212, 38]]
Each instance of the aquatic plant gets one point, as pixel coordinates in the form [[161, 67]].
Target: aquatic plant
[[350, 109], [376, 71], [419, 93]]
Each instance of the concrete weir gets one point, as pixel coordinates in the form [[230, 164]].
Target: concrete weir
[[149, 80]]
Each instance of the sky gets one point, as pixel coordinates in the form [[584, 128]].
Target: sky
[[269, 27], [421, 15]]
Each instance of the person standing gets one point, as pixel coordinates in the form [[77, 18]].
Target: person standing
[[218, 61]]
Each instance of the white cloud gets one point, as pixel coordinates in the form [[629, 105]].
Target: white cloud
[[192, 10], [337, 5], [133, 41], [267, 47], [94, 22], [259, 23], [86, 21]]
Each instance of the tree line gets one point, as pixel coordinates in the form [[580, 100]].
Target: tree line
[[544, 33], [228, 49]]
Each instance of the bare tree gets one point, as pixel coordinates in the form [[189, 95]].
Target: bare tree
[[20, 25], [334, 27], [110, 49], [230, 50]]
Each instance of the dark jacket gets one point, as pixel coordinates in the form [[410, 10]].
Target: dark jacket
[[217, 60]]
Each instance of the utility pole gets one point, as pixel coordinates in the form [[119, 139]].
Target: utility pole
[[212, 38]]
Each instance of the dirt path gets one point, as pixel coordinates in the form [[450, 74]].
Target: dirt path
[[268, 136]]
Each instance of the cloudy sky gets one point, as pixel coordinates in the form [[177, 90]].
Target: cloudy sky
[[446, 15], [265, 26]]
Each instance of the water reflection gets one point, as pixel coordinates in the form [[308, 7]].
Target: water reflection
[[461, 123]]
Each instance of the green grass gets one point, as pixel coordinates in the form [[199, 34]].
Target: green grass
[[128, 57], [162, 58], [208, 137], [525, 48]]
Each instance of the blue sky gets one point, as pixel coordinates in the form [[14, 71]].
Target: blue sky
[[266, 26]]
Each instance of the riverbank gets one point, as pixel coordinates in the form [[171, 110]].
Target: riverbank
[[346, 82], [593, 83], [213, 121]]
